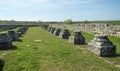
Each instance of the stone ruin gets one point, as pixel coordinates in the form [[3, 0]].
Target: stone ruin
[[77, 38], [94, 28], [21, 30], [45, 27], [102, 46], [64, 34], [7, 27], [52, 30], [5, 41], [49, 29], [13, 35], [57, 32], [2, 63]]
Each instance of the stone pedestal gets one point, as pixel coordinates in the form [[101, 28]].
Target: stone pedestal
[[5, 41], [57, 32], [52, 30], [13, 35], [45, 27], [101, 45], [64, 34], [77, 38], [22, 29], [49, 29]]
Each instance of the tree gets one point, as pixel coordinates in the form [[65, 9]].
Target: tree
[[68, 21], [86, 21]]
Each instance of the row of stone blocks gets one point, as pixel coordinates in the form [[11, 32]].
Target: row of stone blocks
[[100, 45], [76, 38], [6, 39], [7, 27]]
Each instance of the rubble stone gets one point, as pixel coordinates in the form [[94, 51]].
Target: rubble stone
[[13, 35], [77, 38], [65, 34], [57, 32], [5, 41], [102, 46], [52, 30]]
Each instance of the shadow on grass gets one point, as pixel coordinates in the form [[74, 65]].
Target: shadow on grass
[[21, 36], [114, 56], [1, 64], [86, 43], [13, 48], [19, 40], [81, 44], [24, 33], [117, 55]]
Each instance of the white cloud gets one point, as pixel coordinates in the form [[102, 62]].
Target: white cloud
[[41, 3], [77, 1], [21, 3]]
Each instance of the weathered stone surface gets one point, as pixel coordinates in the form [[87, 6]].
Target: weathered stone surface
[[7, 27], [97, 28], [21, 30], [52, 30], [64, 34], [77, 38], [45, 27], [57, 32], [13, 35], [19, 34], [49, 29], [101, 45], [5, 41], [1, 64]]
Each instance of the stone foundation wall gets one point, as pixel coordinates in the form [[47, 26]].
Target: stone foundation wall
[[96, 28]]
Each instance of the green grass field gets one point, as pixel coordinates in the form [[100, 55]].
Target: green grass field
[[115, 59], [52, 54]]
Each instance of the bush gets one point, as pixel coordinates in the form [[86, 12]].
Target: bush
[[68, 21]]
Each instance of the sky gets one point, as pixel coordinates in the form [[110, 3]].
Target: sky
[[59, 10]]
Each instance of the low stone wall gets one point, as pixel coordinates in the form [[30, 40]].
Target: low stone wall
[[97, 28], [7, 27]]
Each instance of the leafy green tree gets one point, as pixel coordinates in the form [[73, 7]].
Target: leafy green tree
[[68, 21], [86, 21]]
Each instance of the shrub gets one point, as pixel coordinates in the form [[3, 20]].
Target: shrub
[[68, 21]]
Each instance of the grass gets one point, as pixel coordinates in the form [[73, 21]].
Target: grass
[[116, 59], [115, 40], [88, 36], [115, 22], [52, 54]]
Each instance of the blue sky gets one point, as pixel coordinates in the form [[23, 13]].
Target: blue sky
[[59, 10]]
